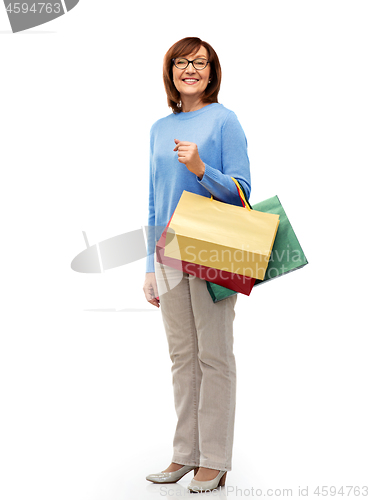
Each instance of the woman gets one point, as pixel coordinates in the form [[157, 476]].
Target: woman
[[197, 148]]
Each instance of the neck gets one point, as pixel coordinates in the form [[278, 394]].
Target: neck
[[191, 104]]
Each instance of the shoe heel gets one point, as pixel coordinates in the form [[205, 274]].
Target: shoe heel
[[222, 480], [196, 470]]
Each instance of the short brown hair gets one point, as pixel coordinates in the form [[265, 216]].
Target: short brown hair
[[182, 48]]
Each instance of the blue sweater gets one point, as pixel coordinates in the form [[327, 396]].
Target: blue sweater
[[222, 146]]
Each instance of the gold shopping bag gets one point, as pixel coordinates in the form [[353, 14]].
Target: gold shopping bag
[[221, 236]]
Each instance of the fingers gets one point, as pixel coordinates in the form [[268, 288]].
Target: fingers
[[182, 154], [181, 144], [155, 302], [150, 290], [151, 299]]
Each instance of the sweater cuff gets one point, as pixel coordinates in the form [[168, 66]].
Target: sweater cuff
[[207, 178], [220, 185]]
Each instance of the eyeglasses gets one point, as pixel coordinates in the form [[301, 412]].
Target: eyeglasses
[[183, 63]]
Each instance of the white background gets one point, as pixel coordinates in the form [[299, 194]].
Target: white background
[[86, 392]]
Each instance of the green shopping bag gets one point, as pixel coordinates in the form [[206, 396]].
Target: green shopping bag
[[218, 292], [286, 255]]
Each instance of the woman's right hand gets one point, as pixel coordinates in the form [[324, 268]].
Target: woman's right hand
[[150, 289]]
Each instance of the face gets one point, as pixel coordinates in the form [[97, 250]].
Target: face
[[191, 82]]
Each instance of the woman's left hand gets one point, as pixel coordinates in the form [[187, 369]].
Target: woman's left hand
[[188, 154]]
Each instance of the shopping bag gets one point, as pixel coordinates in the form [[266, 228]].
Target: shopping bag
[[221, 236], [218, 292], [287, 254], [220, 284]]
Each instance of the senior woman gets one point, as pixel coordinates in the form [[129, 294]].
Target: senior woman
[[197, 148]]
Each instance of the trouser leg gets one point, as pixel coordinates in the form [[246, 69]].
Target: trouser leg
[[178, 320], [217, 401]]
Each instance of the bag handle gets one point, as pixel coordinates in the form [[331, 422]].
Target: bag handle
[[241, 195]]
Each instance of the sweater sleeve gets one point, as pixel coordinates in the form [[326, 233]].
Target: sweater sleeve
[[235, 163], [151, 216]]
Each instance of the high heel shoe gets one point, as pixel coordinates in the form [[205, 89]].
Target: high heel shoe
[[170, 477], [198, 486]]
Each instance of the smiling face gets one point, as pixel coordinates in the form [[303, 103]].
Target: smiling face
[[191, 83]]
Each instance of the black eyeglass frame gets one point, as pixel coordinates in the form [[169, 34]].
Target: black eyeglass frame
[[207, 62]]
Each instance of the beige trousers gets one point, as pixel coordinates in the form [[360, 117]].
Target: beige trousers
[[200, 341]]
